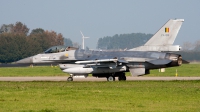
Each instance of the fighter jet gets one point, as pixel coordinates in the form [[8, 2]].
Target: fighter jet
[[110, 64]]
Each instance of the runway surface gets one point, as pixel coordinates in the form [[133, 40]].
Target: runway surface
[[61, 78]]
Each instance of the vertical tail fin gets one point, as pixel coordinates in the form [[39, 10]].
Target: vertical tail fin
[[163, 39], [167, 34]]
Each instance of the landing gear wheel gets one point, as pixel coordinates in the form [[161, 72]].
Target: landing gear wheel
[[111, 78], [70, 79], [122, 77]]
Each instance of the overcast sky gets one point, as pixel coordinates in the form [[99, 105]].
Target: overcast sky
[[100, 18]]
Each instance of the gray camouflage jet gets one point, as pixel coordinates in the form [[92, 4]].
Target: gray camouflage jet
[[110, 64]]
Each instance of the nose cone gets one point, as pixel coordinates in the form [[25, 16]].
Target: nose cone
[[28, 60]]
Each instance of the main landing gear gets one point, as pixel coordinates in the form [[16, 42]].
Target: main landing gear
[[121, 77], [70, 78], [111, 78]]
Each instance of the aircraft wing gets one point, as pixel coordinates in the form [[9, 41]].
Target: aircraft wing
[[112, 63], [103, 63], [99, 62], [96, 61]]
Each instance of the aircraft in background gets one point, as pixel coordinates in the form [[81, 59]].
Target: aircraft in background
[[110, 64]]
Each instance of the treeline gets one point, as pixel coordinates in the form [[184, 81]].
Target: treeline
[[191, 51], [123, 41], [191, 56], [16, 42]]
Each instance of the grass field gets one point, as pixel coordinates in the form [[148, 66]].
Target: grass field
[[178, 96], [187, 70], [29, 71], [117, 96]]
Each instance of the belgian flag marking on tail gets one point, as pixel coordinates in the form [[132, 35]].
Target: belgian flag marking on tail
[[167, 30]]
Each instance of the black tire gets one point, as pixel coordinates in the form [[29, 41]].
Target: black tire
[[70, 79], [111, 78], [119, 78], [122, 77]]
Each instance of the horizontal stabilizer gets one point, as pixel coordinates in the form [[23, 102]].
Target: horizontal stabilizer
[[185, 62], [160, 61]]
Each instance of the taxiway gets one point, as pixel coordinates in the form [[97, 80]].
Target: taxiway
[[62, 78]]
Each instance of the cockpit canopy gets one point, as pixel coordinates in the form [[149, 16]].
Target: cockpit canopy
[[56, 49]]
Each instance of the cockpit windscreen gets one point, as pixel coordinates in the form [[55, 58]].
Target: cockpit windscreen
[[56, 49]]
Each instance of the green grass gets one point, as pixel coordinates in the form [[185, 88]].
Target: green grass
[[117, 96], [186, 70], [29, 71]]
